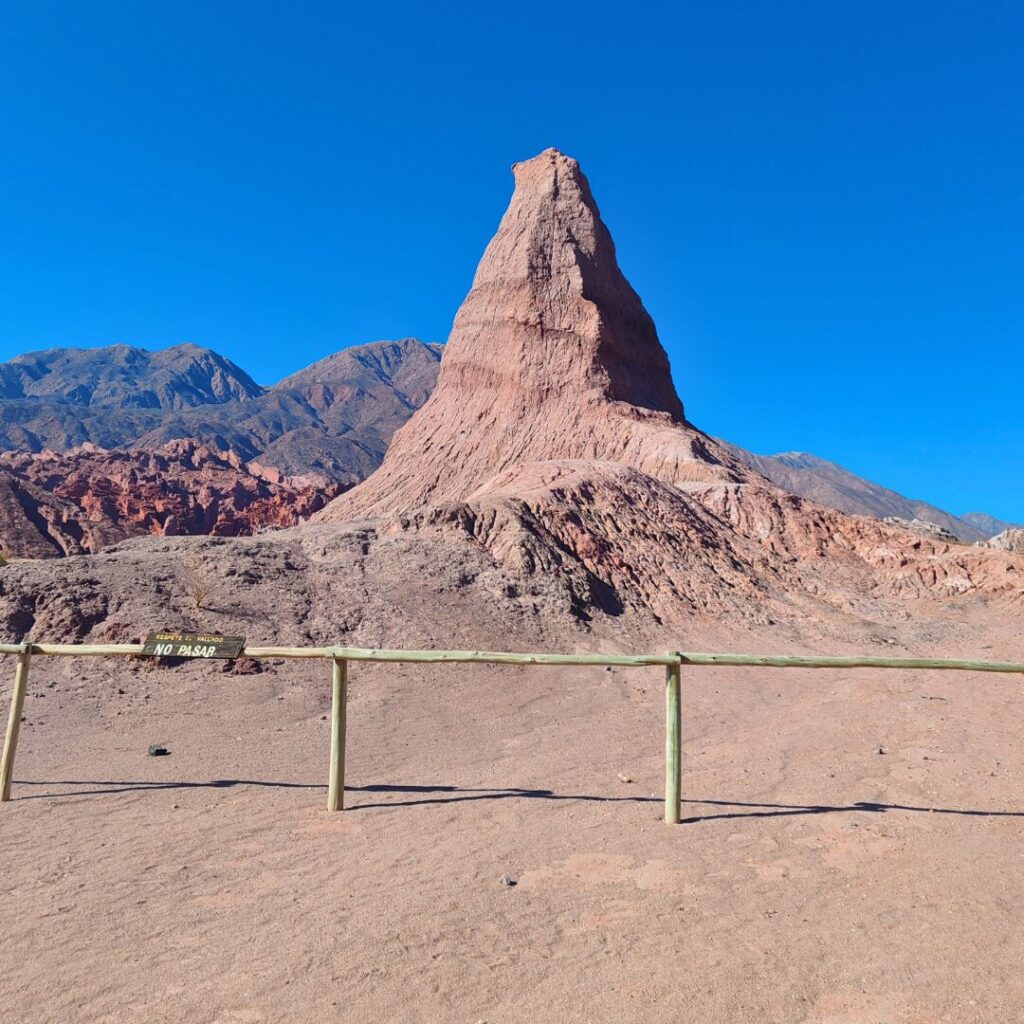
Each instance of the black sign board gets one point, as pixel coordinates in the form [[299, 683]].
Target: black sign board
[[169, 644]]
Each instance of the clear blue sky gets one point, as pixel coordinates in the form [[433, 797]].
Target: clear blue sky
[[819, 202]]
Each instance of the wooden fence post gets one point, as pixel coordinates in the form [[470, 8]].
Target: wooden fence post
[[14, 722], [673, 743], [339, 697]]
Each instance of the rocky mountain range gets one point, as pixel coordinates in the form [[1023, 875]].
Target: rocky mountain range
[[121, 376], [550, 483], [183, 441], [830, 484], [321, 429], [115, 442], [334, 418]]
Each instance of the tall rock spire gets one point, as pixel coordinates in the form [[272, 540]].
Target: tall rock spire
[[552, 356], [568, 318]]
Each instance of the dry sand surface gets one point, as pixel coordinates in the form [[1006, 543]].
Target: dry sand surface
[[815, 878]]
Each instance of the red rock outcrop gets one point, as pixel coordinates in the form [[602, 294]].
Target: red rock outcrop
[[552, 356], [75, 502], [555, 440]]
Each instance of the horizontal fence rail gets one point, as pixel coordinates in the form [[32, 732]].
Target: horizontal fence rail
[[370, 654], [672, 661], [818, 661]]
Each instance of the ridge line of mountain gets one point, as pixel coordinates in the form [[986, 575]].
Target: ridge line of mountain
[[333, 419]]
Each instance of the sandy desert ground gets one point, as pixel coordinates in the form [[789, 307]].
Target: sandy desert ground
[[816, 878]]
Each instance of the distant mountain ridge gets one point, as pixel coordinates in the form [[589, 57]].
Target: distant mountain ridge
[[365, 365], [988, 525], [830, 484], [122, 376], [334, 419]]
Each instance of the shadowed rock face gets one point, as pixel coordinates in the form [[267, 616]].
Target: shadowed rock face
[[552, 356]]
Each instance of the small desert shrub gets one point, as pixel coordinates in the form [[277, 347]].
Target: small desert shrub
[[197, 585]]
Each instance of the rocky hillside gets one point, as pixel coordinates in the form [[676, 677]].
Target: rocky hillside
[[830, 484], [334, 418], [121, 376], [1008, 540], [71, 503]]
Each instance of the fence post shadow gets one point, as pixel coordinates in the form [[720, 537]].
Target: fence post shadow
[[422, 795]]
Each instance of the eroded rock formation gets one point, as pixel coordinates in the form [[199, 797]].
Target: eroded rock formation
[[555, 439], [552, 355], [551, 487], [1008, 540], [69, 503]]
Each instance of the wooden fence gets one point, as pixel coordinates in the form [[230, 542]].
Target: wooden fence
[[672, 661]]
